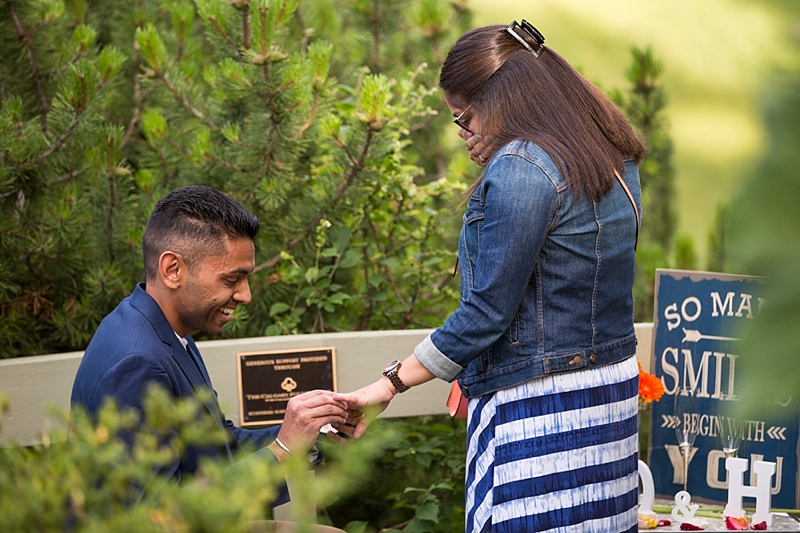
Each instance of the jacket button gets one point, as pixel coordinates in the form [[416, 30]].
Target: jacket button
[[464, 389], [576, 360], [593, 358]]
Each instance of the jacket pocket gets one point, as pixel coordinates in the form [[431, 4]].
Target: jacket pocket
[[471, 238], [474, 210], [512, 333]]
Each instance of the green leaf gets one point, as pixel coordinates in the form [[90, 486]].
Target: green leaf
[[420, 526], [278, 308], [339, 298], [340, 238], [330, 252], [429, 511], [356, 527], [350, 259], [312, 274], [273, 330]]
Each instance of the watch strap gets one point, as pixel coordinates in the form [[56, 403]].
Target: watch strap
[[397, 383]]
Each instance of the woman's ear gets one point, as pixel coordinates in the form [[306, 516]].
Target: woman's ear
[[171, 269]]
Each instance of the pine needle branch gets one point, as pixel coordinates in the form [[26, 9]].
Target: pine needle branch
[[68, 176], [55, 147], [207, 155], [26, 38], [138, 99], [184, 103], [246, 25], [63, 68], [307, 124], [357, 166], [221, 31]]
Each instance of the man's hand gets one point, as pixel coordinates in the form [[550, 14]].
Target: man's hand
[[344, 432], [306, 414]]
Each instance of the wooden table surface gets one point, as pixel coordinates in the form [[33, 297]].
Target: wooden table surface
[[780, 521]]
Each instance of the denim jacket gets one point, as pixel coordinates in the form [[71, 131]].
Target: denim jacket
[[546, 279]]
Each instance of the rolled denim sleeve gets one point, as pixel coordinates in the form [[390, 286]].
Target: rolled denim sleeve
[[435, 361], [520, 202]]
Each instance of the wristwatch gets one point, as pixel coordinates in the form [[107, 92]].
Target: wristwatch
[[391, 373]]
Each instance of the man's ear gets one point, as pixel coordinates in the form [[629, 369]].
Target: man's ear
[[172, 269]]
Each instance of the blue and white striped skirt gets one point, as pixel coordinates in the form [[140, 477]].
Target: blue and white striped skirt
[[556, 454]]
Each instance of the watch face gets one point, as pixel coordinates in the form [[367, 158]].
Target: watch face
[[392, 366]]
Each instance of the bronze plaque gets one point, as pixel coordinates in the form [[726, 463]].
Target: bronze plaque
[[268, 380]]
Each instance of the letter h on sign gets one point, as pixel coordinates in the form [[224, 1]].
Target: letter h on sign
[[761, 491]]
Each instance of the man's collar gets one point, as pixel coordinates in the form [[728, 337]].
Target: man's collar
[[182, 339]]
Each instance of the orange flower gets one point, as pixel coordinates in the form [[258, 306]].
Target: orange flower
[[650, 387]]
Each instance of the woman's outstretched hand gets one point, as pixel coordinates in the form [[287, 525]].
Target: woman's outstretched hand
[[365, 405]]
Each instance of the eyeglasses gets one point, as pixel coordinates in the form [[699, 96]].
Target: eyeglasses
[[528, 36], [461, 124]]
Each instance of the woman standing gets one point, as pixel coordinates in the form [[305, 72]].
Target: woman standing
[[543, 340]]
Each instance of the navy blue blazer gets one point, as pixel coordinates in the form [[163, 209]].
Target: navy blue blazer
[[135, 345]]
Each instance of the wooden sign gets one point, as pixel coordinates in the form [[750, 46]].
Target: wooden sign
[[699, 317], [268, 380]]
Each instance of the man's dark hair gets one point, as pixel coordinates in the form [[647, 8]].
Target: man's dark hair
[[193, 222]]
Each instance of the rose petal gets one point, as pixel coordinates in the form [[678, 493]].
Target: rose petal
[[761, 525], [664, 522], [735, 523], [687, 526], [647, 520], [647, 524]]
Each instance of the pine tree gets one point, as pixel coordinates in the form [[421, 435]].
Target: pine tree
[[719, 259], [645, 106], [61, 179], [108, 106]]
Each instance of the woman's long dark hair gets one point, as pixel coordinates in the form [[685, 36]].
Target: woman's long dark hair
[[543, 100]]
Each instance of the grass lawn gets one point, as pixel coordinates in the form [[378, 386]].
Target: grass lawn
[[716, 56]]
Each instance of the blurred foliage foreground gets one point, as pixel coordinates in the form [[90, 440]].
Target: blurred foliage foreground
[[88, 480], [766, 240]]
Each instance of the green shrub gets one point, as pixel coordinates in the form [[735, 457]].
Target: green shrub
[[417, 485], [89, 481]]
